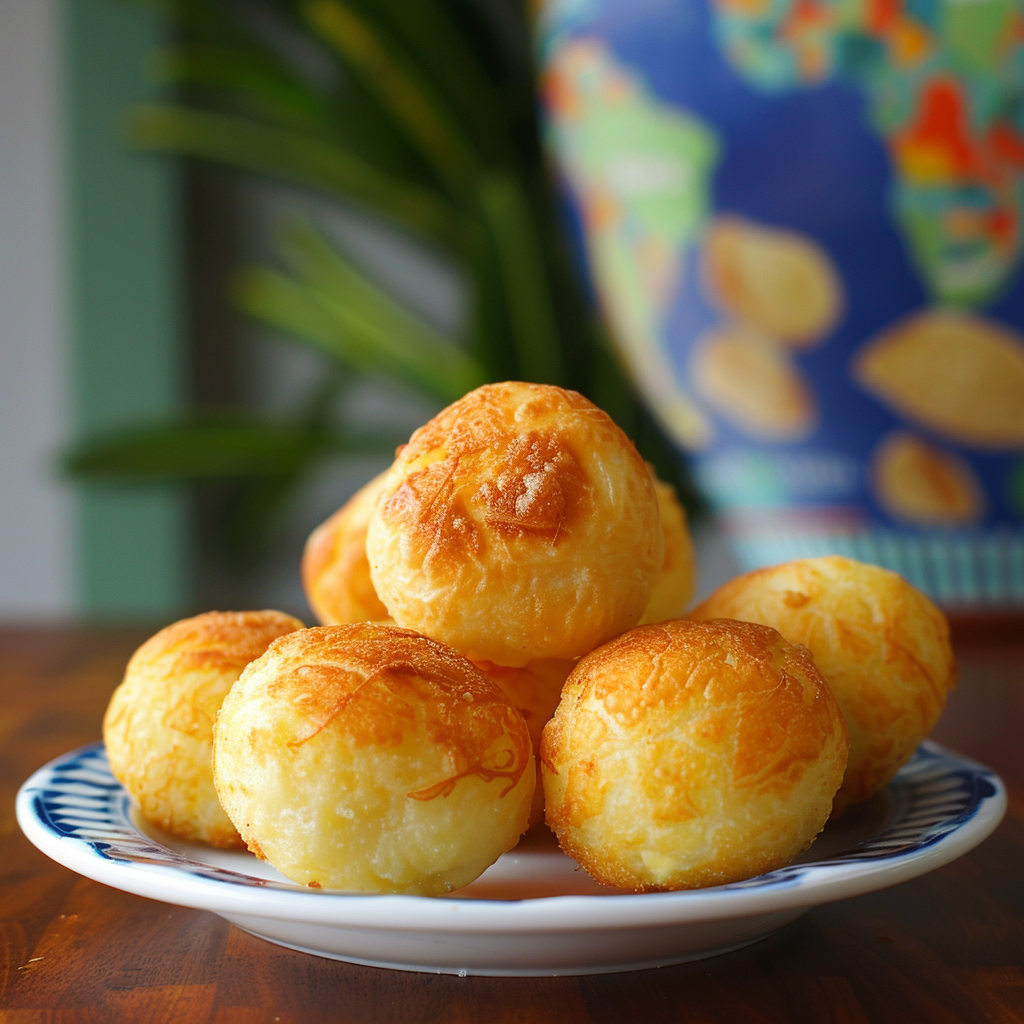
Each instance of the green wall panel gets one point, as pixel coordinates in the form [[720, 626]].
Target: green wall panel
[[126, 317]]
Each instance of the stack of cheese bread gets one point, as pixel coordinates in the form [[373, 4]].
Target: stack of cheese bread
[[503, 638]]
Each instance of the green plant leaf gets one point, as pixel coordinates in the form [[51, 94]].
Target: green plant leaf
[[246, 78], [491, 340], [393, 329], [424, 117], [311, 162], [435, 365], [267, 88], [212, 448], [432, 124], [442, 49], [346, 327], [509, 228]]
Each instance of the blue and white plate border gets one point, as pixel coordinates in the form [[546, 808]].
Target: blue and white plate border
[[76, 813]]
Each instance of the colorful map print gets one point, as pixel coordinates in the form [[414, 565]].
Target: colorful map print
[[944, 81], [641, 171]]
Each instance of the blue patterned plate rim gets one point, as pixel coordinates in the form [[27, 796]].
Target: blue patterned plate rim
[[75, 812]]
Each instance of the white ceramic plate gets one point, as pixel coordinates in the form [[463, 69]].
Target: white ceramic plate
[[534, 912]]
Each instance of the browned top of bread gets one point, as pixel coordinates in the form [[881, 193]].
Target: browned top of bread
[[750, 697], [686, 754], [375, 683], [520, 523], [851, 615], [217, 641], [523, 483], [882, 645]]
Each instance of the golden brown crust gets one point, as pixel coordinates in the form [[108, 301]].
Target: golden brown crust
[[360, 679], [158, 728], [881, 644], [519, 523], [689, 754], [677, 579], [335, 571], [371, 758]]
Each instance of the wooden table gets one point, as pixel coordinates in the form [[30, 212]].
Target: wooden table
[[947, 947]]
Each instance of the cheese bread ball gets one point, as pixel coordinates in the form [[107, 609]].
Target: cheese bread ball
[[520, 523], [159, 725], [535, 689], [881, 644], [335, 572], [689, 754], [677, 579], [369, 758]]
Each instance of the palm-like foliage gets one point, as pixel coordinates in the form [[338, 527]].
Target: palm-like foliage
[[424, 113]]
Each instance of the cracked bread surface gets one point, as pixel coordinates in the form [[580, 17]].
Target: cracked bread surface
[[689, 754], [518, 524]]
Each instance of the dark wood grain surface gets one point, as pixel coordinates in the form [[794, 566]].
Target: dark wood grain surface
[[947, 947]]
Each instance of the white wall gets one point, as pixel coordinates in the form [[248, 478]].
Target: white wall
[[36, 514]]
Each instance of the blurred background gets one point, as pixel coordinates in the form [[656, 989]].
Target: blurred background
[[246, 247], [202, 358]]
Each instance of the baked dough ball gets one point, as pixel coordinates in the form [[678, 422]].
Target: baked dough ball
[[780, 282], [689, 754], [753, 383], [677, 579], [159, 724], [535, 689], [372, 759], [919, 483], [881, 644], [958, 374], [335, 571], [519, 523]]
